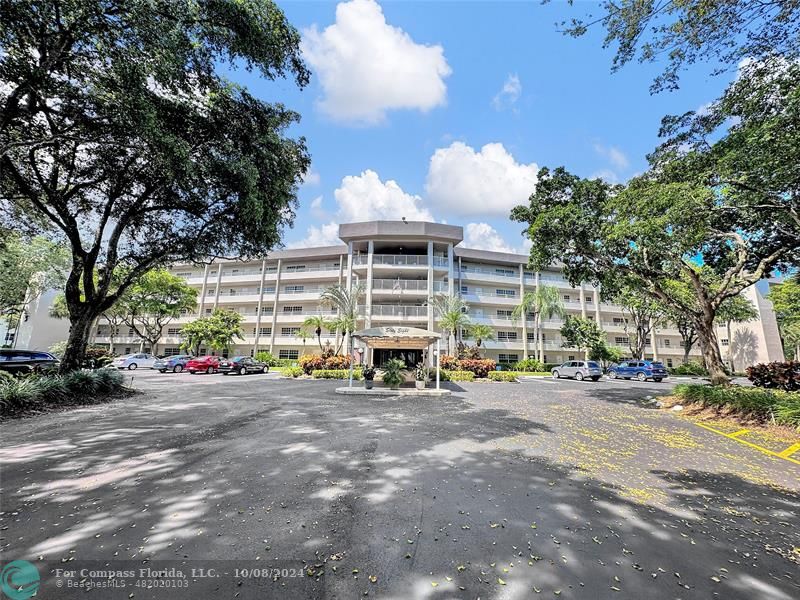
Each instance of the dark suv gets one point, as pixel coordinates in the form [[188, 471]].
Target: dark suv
[[21, 362], [639, 369]]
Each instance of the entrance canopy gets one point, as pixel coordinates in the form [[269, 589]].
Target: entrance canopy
[[397, 337]]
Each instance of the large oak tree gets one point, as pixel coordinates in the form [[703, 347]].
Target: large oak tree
[[120, 135]]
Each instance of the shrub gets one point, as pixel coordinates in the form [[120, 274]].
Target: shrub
[[758, 402], [392, 372], [530, 365], [336, 374], [479, 367], [690, 368], [550, 366], [6, 376], [337, 361], [97, 357], [457, 376], [310, 363], [503, 375], [267, 358], [291, 371], [81, 383], [20, 395], [108, 380], [448, 362], [776, 375]]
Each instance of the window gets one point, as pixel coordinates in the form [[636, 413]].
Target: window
[[590, 317], [464, 289], [666, 343], [669, 362], [505, 272], [173, 331], [269, 289], [210, 291], [530, 336], [682, 344], [506, 293], [504, 336], [289, 331], [266, 310], [619, 321], [503, 314], [621, 340], [566, 297], [724, 341], [588, 299], [208, 311], [100, 331], [174, 351], [263, 331], [288, 354], [544, 336], [465, 333], [507, 358], [646, 340], [130, 330], [127, 350], [295, 268], [292, 309], [294, 289], [571, 357], [544, 358]]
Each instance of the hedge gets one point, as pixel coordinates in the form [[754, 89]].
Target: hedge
[[690, 368], [37, 392], [510, 376], [291, 371], [335, 374], [764, 404], [445, 375]]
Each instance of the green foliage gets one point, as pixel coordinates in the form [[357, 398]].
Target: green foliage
[[736, 309], [689, 368], [36, 392], [421, 373], [508, 376], [451, 314], [584, 334], [776, 375], [456, 375], [314, 362], [694, 31], [754, 401], [479, 367], [530, 365], [317, 323], [266, 358], [153, 301], [218, 331], [291, 371], [336, 374], [131, 141], [346, 303], [393, 372], [481, 333]]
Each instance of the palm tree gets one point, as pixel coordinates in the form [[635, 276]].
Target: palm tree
[[481, 332], [345, 301], [452, 314], [303, 334], [544, 301], [317, 323]]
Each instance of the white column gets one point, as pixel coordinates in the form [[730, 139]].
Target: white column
[[258, 308], [653, 346], [219, 283], [275, 308], [430, 284], [349, 265], [596, 300], [450, 282], [368, 310], [438, 360], [524, 315], [583, 314], [539, 327], [203, 291]]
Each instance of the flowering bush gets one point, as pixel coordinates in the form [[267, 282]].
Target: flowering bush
[[777, 375], [337, 361], [448, 362], [311, 362], [480, 367]]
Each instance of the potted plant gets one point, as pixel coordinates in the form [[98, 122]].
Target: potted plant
[[393, 373], [369, 375], [421, 376]]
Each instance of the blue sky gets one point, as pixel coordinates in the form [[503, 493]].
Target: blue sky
[[445, 110]]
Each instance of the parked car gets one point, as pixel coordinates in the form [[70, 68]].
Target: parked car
[[241, 365], [134, 361], [19, 362], [175, 363], [579, 369], [638, 369], [203, 364]]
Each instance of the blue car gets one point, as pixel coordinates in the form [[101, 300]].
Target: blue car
[[641, 370], [175, 363]]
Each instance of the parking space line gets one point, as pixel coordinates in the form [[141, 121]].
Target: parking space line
[[789, 451], [738, 433], [784, 455]]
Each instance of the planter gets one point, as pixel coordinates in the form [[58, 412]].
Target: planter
[[368, 384], [420, 384]]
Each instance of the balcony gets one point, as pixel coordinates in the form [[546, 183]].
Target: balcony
[[395, 311], [406, 286]]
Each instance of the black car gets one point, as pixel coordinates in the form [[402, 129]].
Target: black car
[[19, 362], [241, 365]]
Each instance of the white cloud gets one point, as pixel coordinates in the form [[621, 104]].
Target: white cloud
[[509, 94], [366, 198], [311, 177], [324, 235], [614, 155], [366, 66], [482, 236], [606, 175], [317, 210], [490, 182]]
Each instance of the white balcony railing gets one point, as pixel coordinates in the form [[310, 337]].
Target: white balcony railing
[[393, 310]]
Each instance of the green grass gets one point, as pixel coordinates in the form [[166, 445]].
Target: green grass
[[783, 407]]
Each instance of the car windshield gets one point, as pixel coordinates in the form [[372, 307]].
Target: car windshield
[[237, 359]]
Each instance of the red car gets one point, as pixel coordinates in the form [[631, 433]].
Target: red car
[[203, 364]]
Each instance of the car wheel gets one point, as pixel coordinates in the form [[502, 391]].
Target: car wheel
[[210, 371], [595, 379], [177, 369], [641, 376], [191, 372], [265, 369], [579, 376], [556, 375], [611, 374], [657, 380], [132, 367], [162, 370], [243, 371]]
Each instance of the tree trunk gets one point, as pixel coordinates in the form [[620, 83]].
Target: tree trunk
[[711, 355], [79, 330], [686, 349]]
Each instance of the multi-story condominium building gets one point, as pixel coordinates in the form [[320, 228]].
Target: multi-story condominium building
[[402, 264]]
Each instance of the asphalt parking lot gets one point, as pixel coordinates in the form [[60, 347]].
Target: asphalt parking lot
[[553, 489]]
